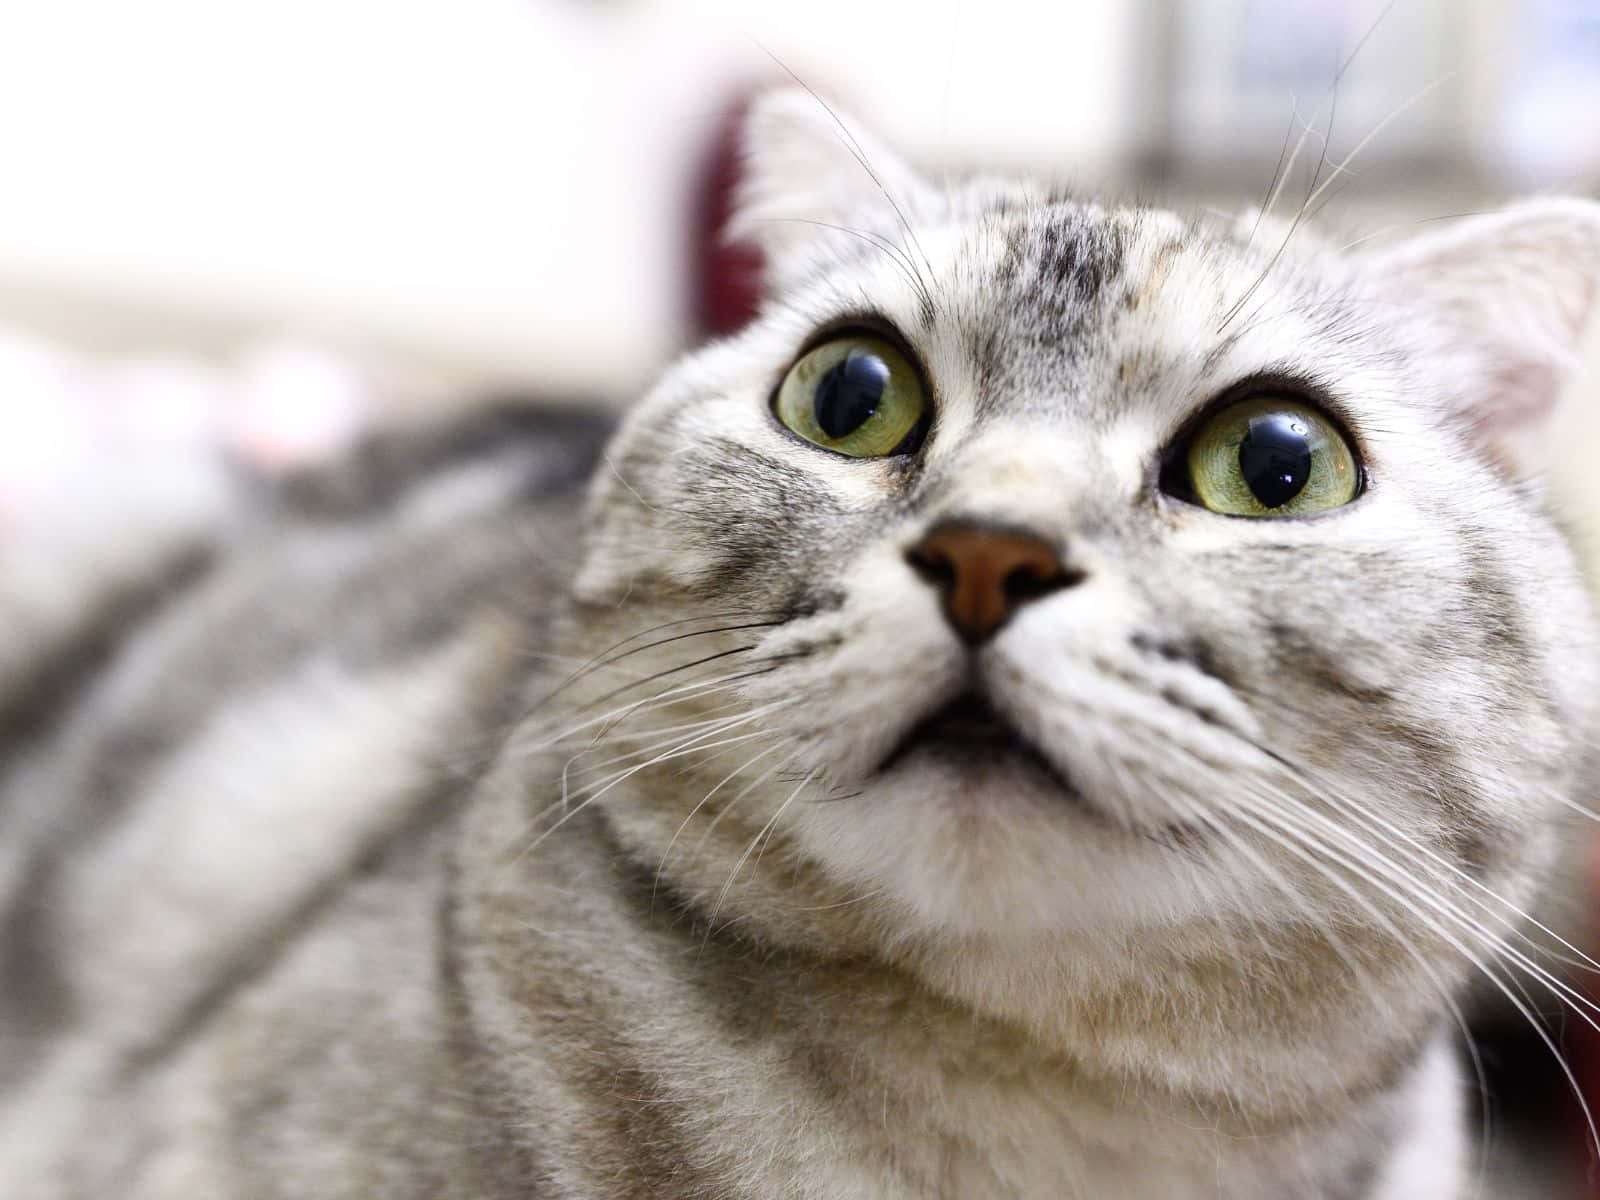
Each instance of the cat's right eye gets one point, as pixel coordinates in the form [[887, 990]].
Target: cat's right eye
[[857, 395]]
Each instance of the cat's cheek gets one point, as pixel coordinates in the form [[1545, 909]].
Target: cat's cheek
[[855, 680], [613, 571], [1152, 744]]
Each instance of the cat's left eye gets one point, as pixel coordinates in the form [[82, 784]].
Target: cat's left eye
[[1269, 456], [857, 395]]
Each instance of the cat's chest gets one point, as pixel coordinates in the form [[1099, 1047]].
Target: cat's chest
[[1030, 1134], [925, 1107], [1016, 1138], [980, 1147], [1020, 1130]]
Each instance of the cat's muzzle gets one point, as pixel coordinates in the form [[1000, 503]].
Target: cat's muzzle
[[969, 731]]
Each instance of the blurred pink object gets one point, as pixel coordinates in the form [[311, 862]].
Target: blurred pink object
[[294, 406]]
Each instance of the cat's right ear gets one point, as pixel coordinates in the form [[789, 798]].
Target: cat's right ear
[[811, 178]]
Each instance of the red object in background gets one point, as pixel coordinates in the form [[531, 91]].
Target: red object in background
[[725, 277]]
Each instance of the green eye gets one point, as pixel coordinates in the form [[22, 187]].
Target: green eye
[[1271, 457], [855, 395]]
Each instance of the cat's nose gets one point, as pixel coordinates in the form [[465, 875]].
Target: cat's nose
[[985, 573]]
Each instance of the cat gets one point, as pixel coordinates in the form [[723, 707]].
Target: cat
[[1060, 706]]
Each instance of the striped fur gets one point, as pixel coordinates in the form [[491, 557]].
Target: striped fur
[[417, 834]]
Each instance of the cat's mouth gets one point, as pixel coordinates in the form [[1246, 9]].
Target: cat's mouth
[[969, 730]]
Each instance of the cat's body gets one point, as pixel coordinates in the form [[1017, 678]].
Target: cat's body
[[309, 998], [407, 850]]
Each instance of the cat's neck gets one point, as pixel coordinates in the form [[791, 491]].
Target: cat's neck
[[847, 1074]]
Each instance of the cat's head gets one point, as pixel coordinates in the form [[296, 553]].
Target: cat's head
[[1033, 573]]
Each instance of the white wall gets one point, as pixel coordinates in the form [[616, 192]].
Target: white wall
[[484, 187]]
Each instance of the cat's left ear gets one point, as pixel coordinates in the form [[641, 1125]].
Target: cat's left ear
[[813, 177], [1511, 293]]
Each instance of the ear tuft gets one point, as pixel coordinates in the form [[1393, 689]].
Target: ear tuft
[[811, 176], [1513, 292]]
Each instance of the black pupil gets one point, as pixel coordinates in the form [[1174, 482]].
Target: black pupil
[[849, 393], [1275, 457]]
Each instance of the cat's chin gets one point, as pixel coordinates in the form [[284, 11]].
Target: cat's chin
[[977, 843], [976, 827]]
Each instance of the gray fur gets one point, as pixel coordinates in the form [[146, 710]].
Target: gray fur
[[428, 844]]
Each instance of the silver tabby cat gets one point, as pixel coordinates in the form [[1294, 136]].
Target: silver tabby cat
[[1059, 707]]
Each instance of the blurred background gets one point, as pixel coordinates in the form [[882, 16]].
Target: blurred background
[[249, 232]]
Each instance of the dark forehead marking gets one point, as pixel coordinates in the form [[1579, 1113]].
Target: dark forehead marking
[[1014, 254], [1059, 270], [1062, 255], [1081, 255]]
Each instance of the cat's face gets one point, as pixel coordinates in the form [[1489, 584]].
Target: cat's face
[[1304, 717]]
